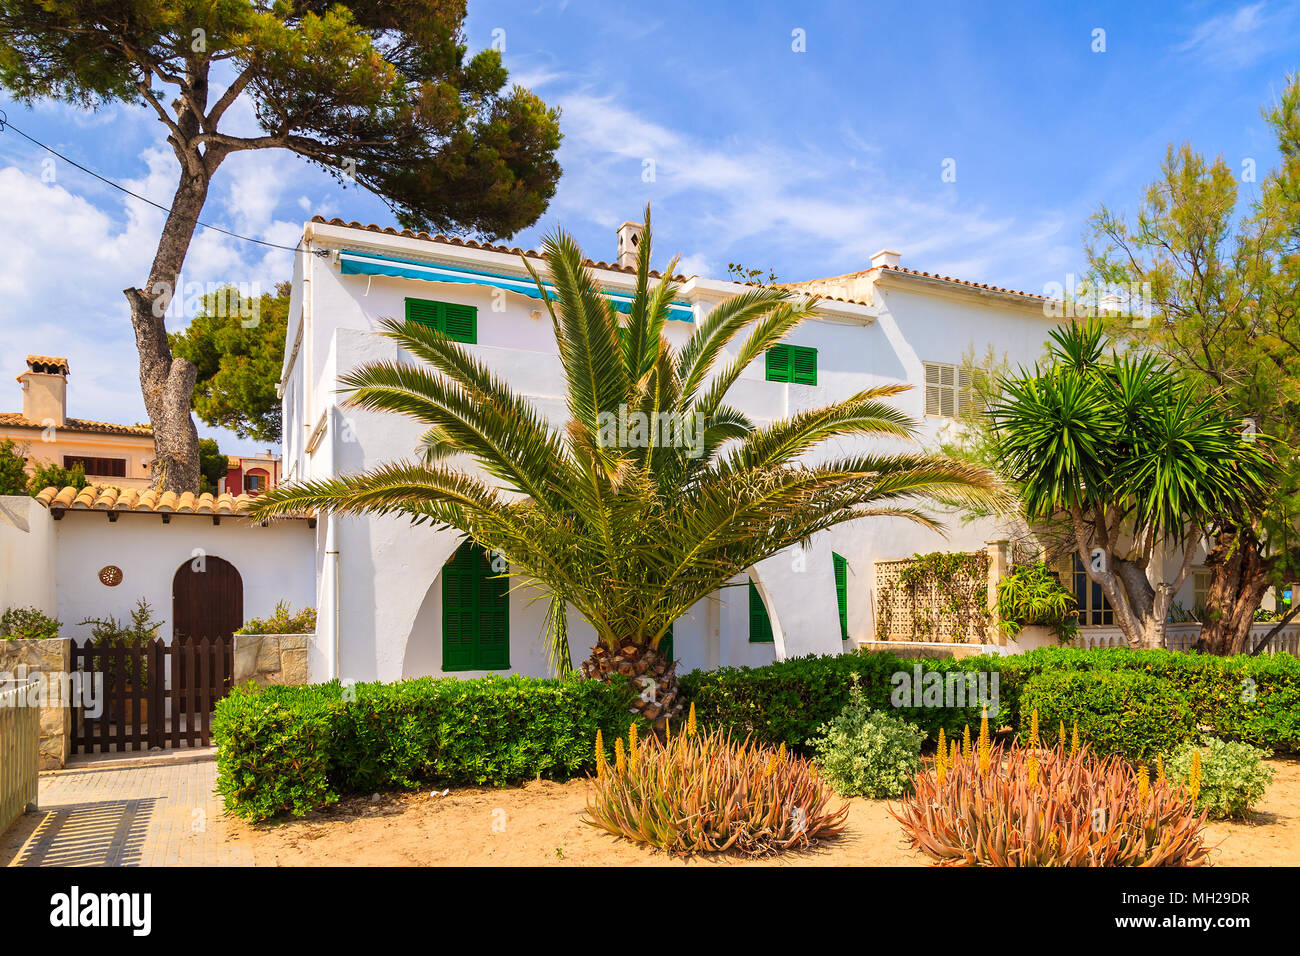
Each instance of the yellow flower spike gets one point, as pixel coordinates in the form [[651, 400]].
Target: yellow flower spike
[[1160, 768], [780, 753], [771, 766], [1033, 771], [953, 755], [1074, 739], [1144, 784], [668, 732], [1194, 779], [965, 743], [600, 755], [620, 759], [1033, 729], [985, 749], [942, 748], [690, 721], [1060, 737]]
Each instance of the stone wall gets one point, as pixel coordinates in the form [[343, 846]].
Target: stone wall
[[271, 658], [21, 660]]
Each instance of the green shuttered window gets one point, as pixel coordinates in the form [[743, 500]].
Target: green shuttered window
[[475, 613], [792, 363], [760, 625], [842, 592], [457, 322]]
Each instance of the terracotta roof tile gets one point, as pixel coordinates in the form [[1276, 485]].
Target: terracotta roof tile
[[48, 363], [974, 285], [16, 420], [107, 498]]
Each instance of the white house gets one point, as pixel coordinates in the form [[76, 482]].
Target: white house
[[380, 581]]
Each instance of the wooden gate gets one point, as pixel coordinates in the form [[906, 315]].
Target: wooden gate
[[207, 603], [150, 696]]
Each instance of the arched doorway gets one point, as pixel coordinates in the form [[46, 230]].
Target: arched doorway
[[207, 600]]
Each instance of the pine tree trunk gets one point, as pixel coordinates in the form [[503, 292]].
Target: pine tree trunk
[[1239, 578], [167, 382], [648, 667]]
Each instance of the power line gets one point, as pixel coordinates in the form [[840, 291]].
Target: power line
[[5, 124]]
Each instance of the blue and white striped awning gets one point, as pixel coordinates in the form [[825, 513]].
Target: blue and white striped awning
[[373, 264]]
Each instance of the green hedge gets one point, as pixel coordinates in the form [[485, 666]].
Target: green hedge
[[1125, 712], [1251, 699], [292, 750], [788, 701]]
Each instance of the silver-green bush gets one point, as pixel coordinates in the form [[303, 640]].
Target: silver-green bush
[[1233, 776], [867, 753]]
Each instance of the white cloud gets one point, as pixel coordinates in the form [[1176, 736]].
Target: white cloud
[[1242, 36]]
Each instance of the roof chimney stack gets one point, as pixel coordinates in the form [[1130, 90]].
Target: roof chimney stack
[[629, 243], [45, 390], [886, 257]]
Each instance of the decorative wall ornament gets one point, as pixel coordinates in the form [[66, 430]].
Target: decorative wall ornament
[[110, 576]]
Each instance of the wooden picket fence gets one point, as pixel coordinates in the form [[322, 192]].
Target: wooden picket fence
[[20, 738], [154, 695]]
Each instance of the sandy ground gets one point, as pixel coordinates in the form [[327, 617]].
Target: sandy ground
[[540, 824]]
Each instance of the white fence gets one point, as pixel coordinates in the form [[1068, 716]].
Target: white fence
[[1182, 637], [20, 734]]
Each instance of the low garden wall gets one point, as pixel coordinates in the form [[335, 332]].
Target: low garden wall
[[49, 661], [269, 659]]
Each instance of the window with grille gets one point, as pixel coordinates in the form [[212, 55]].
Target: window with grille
[[1093, 606], [948, 391], [99, 467], [1200, 587]]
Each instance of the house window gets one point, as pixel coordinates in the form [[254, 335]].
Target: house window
[[254, 484], [842, 592], [475, 613], [1093, 606], [99, 467], [1200, 587], [948, 392], [458, 322], [792, 363], [760, 625]]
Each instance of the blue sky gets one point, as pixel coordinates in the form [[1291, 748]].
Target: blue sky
[[802, 162]]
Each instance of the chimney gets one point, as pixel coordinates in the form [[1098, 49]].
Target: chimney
[[886, 257], [45, 390], [629, 243]]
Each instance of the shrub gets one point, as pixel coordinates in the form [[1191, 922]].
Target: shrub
[[1050, 808], [282, 621], [28, 623], [1232, 776], [868, 753], [367, 737], [1032, 594], [787, 702], [51, 475], [706, 793], [1126, 713], [108, 633], [273, 749]]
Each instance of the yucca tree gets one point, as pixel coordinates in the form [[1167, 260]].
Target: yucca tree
[[630, 527], [1122, 451]]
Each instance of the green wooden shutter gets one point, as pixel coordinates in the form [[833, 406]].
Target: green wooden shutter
[[778, 363], [842, 592], [666, 642], [760, 625], [461, 322], [475, 613], [426, 312], [803, 365], [457, 322], [459, 611]]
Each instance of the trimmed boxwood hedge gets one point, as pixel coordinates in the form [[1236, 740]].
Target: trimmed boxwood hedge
[[294, 749], [1124, 712], [1252, 699]]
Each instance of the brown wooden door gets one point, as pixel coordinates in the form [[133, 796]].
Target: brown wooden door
[[207, 600]]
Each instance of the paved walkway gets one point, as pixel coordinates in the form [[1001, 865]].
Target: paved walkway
[[129, 813]]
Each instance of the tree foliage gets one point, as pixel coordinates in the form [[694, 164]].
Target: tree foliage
[[238, 349]]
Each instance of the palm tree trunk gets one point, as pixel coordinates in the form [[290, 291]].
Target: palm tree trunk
[[648, 667]]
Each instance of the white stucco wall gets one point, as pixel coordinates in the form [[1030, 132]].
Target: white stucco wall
[[27, 565], [274, 562]]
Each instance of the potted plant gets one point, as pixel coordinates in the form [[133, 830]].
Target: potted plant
[[28, 624], [1032, 596]]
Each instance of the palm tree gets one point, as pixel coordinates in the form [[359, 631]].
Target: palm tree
[[630, 529]]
